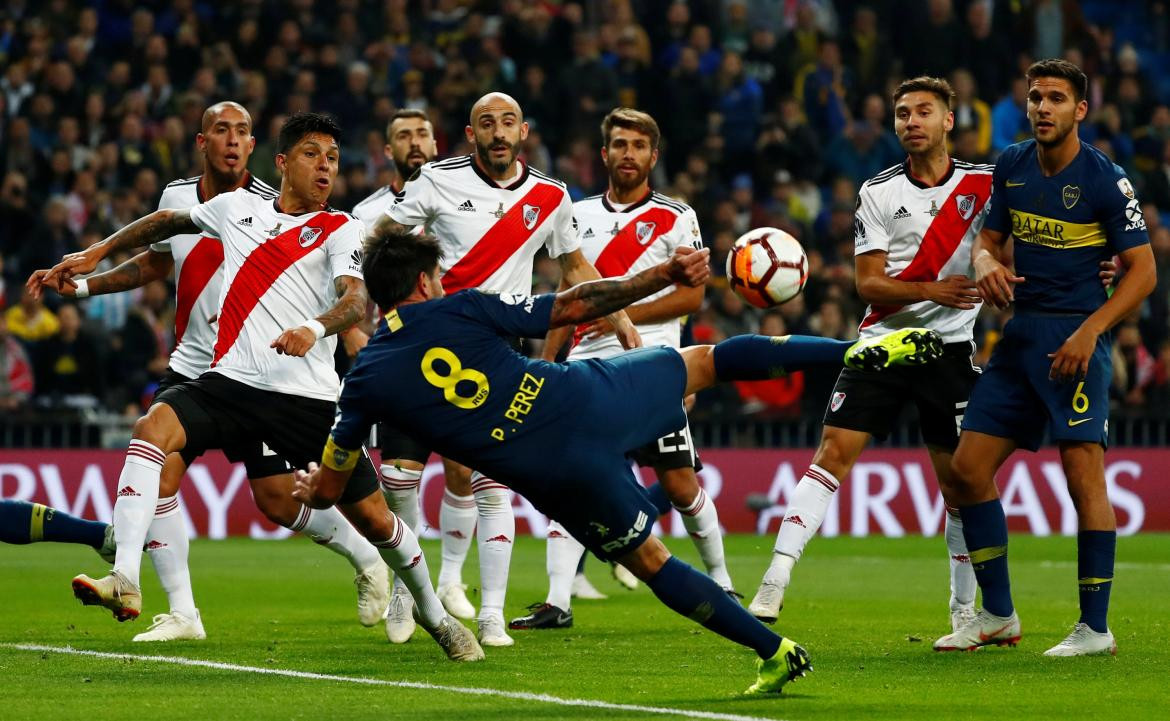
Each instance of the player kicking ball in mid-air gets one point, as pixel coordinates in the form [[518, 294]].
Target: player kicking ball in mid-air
[[292, 280], [460, 388], [1068, 207]]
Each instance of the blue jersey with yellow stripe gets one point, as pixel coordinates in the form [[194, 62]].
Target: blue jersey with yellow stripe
[[1064, 225]]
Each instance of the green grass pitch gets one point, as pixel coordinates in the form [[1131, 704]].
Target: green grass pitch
[[866, 609]]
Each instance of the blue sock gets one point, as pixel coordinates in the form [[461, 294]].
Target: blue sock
[[658, 497], [985, 530], [1095, 553], [694, 595], [760, 357], [23, 522]]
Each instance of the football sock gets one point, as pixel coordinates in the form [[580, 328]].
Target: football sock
[[457, 516], [985, 528], [563, 554], [328, 528], [168, 547], [581, 564], [702, 523], [404, 556], [694, 595], [1095, 553], [806, 509], [134, 509], [400, 488], [23, 522], [963, 585], [760, 357], [659, 498], [497, 529]]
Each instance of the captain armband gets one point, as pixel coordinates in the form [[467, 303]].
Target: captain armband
[[338, 458]]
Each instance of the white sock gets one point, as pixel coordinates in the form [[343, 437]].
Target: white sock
[[400, 488], [702, 523], [497, 529], [806, 510], [134, 508], [963, 584], [402, 553], [562, 552], [330, 529], [457, 516], [168, 547]]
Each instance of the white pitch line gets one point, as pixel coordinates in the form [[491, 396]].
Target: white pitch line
[[467, 690]]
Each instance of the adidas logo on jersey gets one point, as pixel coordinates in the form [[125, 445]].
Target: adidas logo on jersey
[[588, 233], [245, 222], [902, 213], [467, 207]]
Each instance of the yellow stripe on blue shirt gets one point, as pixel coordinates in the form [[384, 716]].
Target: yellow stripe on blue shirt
[[1055, 233]]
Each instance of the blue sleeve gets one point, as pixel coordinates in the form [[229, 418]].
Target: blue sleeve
[[351, 427], [512, 315], [998, 217], [1120, 212]]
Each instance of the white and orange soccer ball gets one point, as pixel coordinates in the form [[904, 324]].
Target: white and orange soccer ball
[[767, 267]]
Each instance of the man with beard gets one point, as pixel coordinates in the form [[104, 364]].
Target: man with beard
[[226, 143], [1068, 207], [292, 280], [491, 213], [624, 231]]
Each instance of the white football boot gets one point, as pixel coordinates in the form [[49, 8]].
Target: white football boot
[[585, 590], [400, 616], [1084, 641], [454, 599], [492, 633], [373, 589], [114, 592], [174, 627], [985, 629], [456, 640], [622, 575], [767, 602], [961, 615]]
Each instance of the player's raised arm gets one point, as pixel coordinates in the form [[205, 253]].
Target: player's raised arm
[[144, 268], [153, 228], [587, 301]]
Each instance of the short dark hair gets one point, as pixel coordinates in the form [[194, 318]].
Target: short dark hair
[[392, 261], [406, 113], [939, 87], [1058, 68], [298, 125], [630, 119]]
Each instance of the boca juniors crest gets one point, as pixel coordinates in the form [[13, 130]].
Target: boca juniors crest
[[966, 205], [308, 236], [644, 232], [1070, 194], [531, 213]]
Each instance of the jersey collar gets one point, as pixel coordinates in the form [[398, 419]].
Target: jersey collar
[[276, 206], [248, 183], [629, 208], [484, 176], [919, 184]]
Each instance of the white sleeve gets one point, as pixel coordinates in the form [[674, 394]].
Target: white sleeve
[[416, 205], [163, 246], [686, 232], [869, 228], [344, 247], [563, 238], [213, 215]]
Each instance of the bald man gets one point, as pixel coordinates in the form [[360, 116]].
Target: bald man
[[491, 214], [226, 143]]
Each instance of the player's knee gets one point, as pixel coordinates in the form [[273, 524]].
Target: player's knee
[[159, 427], [493, 502], [833, 456], [172, 476], [681, 486], [965, 473], [647, 559], [457, 478]]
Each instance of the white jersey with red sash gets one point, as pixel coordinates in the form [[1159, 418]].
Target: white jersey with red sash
[[927, 233], [198, 276], [623, 240], [489, 233], [279, 270]]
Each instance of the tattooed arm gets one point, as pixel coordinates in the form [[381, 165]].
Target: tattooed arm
[[346, 312], [153, 228], [386, 224], [144, 268], [596, 298]]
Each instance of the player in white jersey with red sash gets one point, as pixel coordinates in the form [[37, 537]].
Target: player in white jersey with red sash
[[410, 143], [914, 227], [292, 280], [226, 143], [624, 231], [491, 214]]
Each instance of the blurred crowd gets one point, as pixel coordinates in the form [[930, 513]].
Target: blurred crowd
[[773, 112]]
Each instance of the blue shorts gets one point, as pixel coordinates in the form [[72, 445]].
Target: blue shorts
[[588, 485], [1015, 399]]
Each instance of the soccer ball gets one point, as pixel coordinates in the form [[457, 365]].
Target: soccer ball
[[767, 267]]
